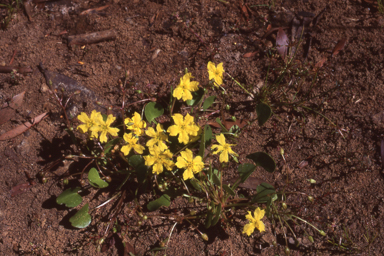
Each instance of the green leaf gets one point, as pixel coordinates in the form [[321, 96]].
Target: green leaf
[[221, 125], [216, 180], [208, 102], [94, 179], [137, 162], [264, 112], [245, 170], [208, 220], [110, 145], [264, 192], [217, 217], [153, 110], [164, 200], [197, 97], [81, 219], [70, 197], [205, 139], [228, 190], [195, 184], [264, 160]]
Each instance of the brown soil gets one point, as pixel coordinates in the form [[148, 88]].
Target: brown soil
[[344, 160]]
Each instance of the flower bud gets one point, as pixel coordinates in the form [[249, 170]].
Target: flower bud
[[310, 198], [145, 217], [284, 206], [82, 183], [287, 251], [108, 179], [322, 233], [204, 236], [65, 181], [310, 238], [233, 118], [227, 107]]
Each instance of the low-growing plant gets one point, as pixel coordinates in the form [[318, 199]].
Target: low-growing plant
[[136, 156]]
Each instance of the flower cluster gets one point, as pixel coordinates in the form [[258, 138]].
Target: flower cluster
[[159, 157], [186, 86], [96, 123]]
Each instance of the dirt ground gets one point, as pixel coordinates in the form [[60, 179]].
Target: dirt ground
[[155, 41]]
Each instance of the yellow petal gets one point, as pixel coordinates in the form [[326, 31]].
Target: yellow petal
[[173, 130], [187, 174], [259, 214], [110, 120], [260, 226], [223, 157], [83, 128], [218, 80], [139, 148], [220, 68], [113, 131], [178, 93], [83, 117], [248, 229], [151, 132], [211, 66], [187, 95], [157, 168], [221, 139], [178, 119], [103, 137], [181, 163], [183, 137], [126, 149]]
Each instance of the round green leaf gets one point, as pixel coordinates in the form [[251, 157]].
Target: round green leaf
[[164, 200], [245, 170], [94, 179], [208, 102], [70, 197], [264, 112], [136, 160], [153, 110], [264, 160], [81, 219]]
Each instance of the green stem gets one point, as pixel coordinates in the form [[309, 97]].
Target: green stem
[[242, 87]]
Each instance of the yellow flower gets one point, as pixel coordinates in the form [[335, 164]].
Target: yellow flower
[[224, 148], [104, 127], [183, 127], [254, 222], [136, 124], [132, 144], [191, 166], [184, 89], [159, 158], [158, 137], [89, 122], [216, 73]]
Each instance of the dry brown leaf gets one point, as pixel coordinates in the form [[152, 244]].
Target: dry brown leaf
[[321, 62], [8, 109], [22, 128], [249, 54], [339, 46]]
